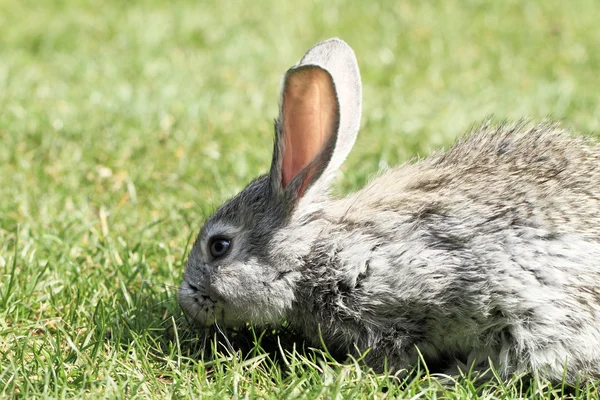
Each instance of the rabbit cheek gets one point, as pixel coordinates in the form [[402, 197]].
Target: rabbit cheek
[[251, 293]]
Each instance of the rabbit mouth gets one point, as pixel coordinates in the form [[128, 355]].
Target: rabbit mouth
[[197, 304]]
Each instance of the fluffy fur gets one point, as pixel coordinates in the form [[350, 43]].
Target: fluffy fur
[[488, 250]]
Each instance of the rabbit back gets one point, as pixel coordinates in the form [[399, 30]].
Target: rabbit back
[[535, 176]]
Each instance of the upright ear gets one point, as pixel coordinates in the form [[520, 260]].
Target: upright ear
[[318, 120]]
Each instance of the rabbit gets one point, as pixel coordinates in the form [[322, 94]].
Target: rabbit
[[489, 251]]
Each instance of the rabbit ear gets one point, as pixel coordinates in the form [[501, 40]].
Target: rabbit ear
[[318, 121]]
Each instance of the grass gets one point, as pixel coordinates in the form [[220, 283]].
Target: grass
[[124, 124]]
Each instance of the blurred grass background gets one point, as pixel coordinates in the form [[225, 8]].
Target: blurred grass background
[[124, 123]]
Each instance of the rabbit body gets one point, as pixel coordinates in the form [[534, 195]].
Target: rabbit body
[[491, 249], [488, 250]]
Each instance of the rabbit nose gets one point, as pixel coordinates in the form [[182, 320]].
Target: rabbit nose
[[206, 292], [193, 287]]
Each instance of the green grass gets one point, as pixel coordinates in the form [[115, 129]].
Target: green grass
[[123, 124]]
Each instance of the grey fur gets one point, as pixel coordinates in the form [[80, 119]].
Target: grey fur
[[490, 249]]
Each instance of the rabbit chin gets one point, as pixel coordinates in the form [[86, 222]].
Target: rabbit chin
[[207, 309], [206, 312]]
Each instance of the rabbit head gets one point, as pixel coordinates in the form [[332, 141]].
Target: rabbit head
[[247, 259]]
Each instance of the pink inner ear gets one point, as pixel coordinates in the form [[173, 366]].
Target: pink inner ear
[[309, 112]]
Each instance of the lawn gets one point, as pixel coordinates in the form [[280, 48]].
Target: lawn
[[124, 124]]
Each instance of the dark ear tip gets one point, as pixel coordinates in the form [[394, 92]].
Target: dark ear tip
[[307, 70]]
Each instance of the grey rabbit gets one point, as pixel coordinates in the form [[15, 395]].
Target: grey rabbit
[[487, 251]]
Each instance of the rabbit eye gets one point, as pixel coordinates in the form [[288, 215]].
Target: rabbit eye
[[219, 247]]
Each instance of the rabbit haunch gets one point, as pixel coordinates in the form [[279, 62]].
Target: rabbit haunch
[[488, 250]]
